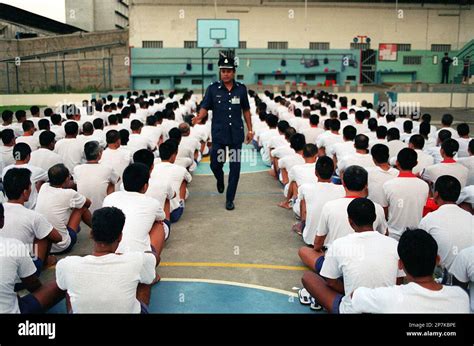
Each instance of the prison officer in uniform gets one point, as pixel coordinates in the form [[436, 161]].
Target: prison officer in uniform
[[227, 99]]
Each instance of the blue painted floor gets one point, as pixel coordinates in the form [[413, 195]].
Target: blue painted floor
[[204, 297]]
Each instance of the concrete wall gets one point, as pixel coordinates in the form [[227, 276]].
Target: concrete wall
[[87, 69], [439, 100], [337, 23], [95, 15], [49, 100]]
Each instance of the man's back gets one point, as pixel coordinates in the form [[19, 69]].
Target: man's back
[[453, 229], [366, 259], [410, 298], [45, 159], [115, 279]]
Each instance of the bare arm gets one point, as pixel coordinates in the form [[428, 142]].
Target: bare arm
[[200, 116]]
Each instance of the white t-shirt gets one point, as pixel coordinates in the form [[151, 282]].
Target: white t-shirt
[[424, 160], [92, 182], [137, 142], [316, 196], [32, 141], [405, 198], [366, 259], [37, 175], [357, 159], [463, 147], [118, 159], [432, 173], [468, 162], [58, 131], [376, 178], [140, 213], [410, 298], [453, 229], [334, 221], [282, 151], [45, 159], [24, 224], [327, 141], [161, 190], [16, 263], [167, 173], [187, 147], [153, 133], [311, 134], [303, 174], [71, 151], [6, 156], [467, 195], [463, 269], [342, 150], [56, 205], [105, 284], [394, 147]]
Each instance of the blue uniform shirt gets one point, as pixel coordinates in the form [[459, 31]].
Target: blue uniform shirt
[[227, 107]]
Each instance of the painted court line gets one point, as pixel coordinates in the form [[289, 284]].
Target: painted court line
[[231, 265], [233, 283]]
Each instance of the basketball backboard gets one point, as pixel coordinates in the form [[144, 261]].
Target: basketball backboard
[[218, 33]]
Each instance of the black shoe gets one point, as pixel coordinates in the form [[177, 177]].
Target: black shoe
[[220, 186], [229, 205]]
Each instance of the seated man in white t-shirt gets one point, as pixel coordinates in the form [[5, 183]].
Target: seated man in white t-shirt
[[394, 143], [189, 147], [463, 140], [417, 142], [45, 157], [312, 133], [144, 229], [462, 270], [448, 166], [281, 150], [446, 122], [380, 174], [313, 197], [346, 148], [28, 135], [95, 180], [284, 164], [108, 281], [333, 222], [136, 141], [159, 189], [17, 266], [25, 225], [300, 174], [435, 151], [365, 258], [418, 253], [325, 141], [114, 155], [70, 148], [451, 226], [152, 131], [6, 149], [22, 155], [404, 196], [361, 157], [169, 173], [63, 207], [468, 162]]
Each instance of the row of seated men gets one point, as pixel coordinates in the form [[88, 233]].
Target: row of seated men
[[380, 200], [123, 173]]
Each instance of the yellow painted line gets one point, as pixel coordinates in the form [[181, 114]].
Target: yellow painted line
[[231, 265], [233, 283]]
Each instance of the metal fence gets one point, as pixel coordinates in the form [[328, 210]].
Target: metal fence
[[56, 75]]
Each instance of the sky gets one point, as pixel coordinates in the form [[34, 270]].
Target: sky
[[54, 9]]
